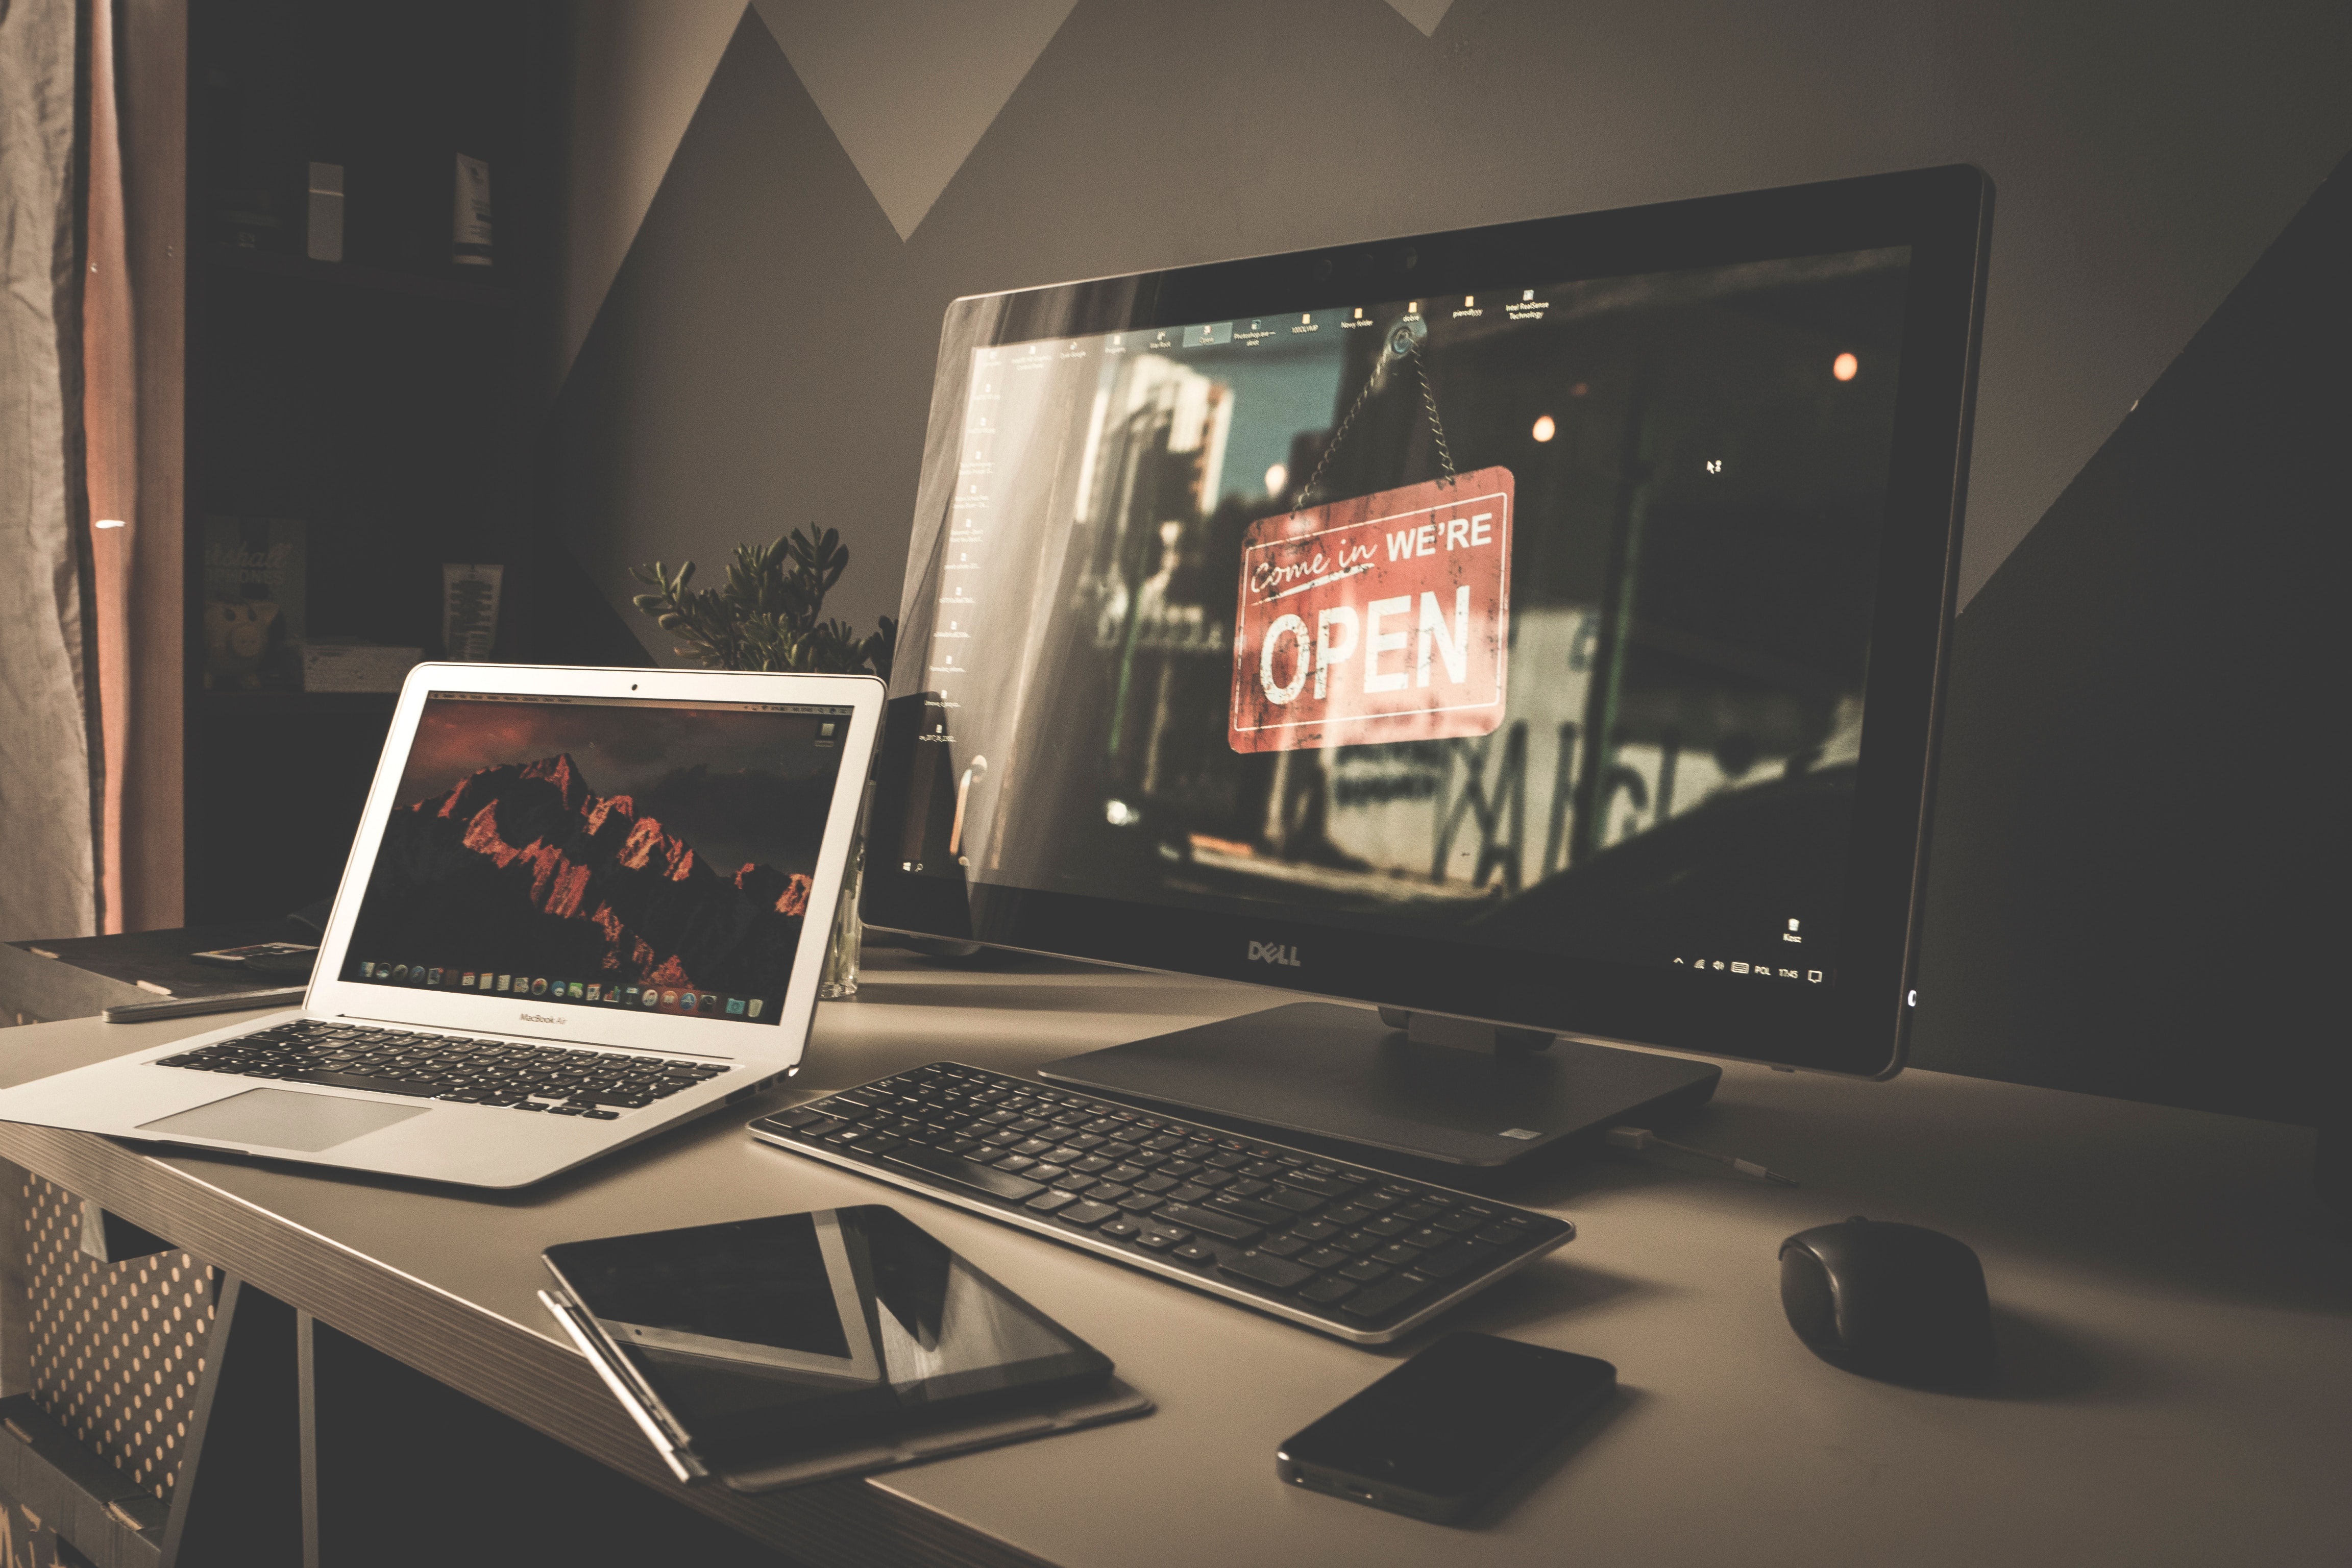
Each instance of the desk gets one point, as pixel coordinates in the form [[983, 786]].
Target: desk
[[2175, 1323]]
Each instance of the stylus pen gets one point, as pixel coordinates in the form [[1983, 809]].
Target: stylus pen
[[681, 1462], [190, 1006]]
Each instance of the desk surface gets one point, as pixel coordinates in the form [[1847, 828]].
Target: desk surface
[[2174, 1322]]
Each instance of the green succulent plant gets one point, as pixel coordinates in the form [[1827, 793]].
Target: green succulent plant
[[766, 615]]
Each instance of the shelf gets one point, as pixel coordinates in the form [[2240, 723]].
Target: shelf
[[235, 702], [353, 277]]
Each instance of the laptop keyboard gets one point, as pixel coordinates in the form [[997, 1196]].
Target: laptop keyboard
[[552, 1079], [1337, 1246]]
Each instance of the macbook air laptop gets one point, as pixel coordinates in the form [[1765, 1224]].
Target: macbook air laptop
[[582, 905]]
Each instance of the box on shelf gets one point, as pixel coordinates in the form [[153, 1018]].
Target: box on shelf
[[356, 666]]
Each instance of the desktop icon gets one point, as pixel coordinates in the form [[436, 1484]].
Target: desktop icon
[[1738, 969], [595, 992], [538, 987], [468, 980], [652, 998], [687, 1001], [734, 1006], [669, 998], [400, 972], [579, 992], [506, 982], [416, 974], [367, 969], [1814, 975], [756, 1004]]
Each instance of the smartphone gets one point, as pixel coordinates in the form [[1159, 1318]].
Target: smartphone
[[1444, 1433]]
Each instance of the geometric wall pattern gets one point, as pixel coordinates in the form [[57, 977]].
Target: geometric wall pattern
[[761, 358]]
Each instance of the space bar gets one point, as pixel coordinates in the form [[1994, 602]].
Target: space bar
[[963, 1172], [353, 1080]]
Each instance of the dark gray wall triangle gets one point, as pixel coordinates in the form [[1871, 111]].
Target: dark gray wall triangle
[[2139, 832]]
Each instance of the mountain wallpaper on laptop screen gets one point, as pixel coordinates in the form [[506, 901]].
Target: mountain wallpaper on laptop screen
[[524, 868]]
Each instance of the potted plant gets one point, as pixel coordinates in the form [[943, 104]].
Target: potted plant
[[768, 617]]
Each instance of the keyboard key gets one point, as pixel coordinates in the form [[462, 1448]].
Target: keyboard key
[[1233, 1228], [1158, 1241], [1386, 1225], [1364, 1270], [1189, 1193], [1046, 1203], [1107, 1192], [1088, 1212], [1016, 1163], [1295, 1201], [1327, 1292], [1348, 1214], [1154, 1185], [1140, 1202], [1461, 1220], [1449, 1261], [1314, 1229], [1192, 1252], [353, 1080], [1247, 1188], [1397, 1252], [1357, 1241], [1321, 1256], [1174, 1235], [1427, 1236], [1327, 1186], [1379, 1301], [1119, 1229], [1250, 1208], [1285, 1246], [1277, 1273], [1502, 1236], [1418, 1211], [963, 1172]]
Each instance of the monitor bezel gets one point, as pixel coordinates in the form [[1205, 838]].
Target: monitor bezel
[[1858, 1025]]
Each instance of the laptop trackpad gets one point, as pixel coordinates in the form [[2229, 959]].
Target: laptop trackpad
[[283, 1119]]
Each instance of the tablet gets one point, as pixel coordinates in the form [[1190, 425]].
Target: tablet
[[748, 1343]]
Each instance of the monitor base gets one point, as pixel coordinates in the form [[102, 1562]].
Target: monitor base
[[1338, 1081]]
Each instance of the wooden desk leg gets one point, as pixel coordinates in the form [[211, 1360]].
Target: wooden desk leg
[[238, 1501]]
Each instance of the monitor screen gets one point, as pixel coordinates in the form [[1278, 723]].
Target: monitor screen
[[619, 853], [1529, 619]]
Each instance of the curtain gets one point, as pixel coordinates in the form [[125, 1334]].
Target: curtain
[[46, 878], [110, 403]]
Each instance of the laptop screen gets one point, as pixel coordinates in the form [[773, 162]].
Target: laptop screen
[[606, 852]]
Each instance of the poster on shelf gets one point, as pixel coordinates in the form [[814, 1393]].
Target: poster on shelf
[[253, 611]]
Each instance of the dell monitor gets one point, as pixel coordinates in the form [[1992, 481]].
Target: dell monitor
[[1518, 632]]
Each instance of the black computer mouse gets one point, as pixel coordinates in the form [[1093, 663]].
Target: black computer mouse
[[1898, 1302]]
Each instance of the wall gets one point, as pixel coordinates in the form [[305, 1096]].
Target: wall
[[755, 351]]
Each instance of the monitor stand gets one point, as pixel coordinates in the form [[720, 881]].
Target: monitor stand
[[1438, 1093]]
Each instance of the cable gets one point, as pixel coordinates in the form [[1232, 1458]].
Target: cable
[[1640, 1137]]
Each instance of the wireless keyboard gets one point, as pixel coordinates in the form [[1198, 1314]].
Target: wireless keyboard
[[1341, 1248]]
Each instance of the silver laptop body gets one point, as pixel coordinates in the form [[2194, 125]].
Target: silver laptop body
[[582, 905]]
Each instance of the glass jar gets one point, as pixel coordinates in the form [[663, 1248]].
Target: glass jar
[[839, 978]]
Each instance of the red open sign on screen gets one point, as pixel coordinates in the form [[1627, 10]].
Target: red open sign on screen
[[1385, 617]]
